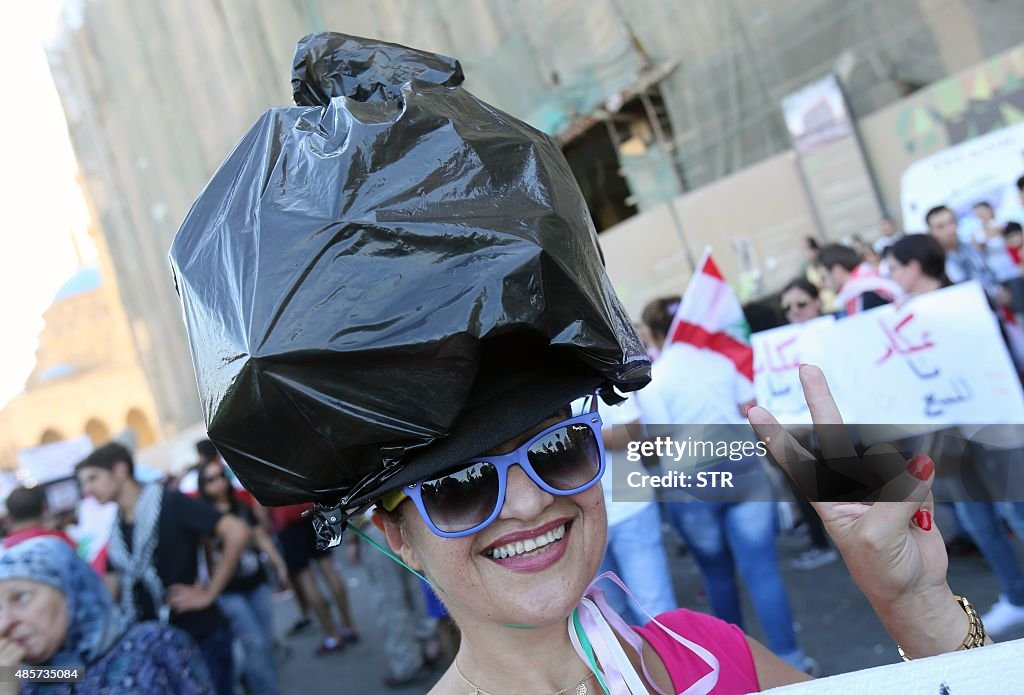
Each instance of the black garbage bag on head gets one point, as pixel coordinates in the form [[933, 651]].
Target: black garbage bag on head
[[330, 65], [396, 261]]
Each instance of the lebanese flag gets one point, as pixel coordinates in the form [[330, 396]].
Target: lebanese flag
[[710, 317]]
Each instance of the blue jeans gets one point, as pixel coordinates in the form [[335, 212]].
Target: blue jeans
[[250, 615], [216, 651], [725, 535], [636, 553], [983, 521], [992, 478]]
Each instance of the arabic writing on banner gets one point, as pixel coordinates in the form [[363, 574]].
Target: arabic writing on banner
[[936, 359], [778, 354]]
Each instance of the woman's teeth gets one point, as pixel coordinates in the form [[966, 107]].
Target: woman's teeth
[[528, 546]]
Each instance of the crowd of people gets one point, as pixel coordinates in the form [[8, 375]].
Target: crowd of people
[[981, 247], [187, 578], [181, 595]]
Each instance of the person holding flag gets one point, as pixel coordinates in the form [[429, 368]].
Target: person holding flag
[[701, 387]]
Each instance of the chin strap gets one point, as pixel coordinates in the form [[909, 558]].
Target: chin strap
[[329, 524], [594, 629]]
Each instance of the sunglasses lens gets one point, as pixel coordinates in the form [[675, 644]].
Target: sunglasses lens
[[567, 458], [463, 499]]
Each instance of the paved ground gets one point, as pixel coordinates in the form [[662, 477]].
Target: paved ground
[[836, 624]]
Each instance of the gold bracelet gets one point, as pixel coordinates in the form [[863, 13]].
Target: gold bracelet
[[975, 629]]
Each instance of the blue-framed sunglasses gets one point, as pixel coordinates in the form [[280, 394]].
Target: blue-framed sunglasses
[[564, 459]]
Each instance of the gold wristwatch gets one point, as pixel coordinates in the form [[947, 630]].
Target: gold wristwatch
[[975, 628]]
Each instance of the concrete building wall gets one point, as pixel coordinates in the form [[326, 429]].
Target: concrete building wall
[[754, 221], [972, 102], [156, 94]]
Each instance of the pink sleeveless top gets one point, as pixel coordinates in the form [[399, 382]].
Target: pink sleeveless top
[[726, 641]]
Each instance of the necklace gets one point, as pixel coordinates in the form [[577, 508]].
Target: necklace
[[576, 689]]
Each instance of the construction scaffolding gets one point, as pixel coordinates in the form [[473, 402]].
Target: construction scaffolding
[[680, 92]]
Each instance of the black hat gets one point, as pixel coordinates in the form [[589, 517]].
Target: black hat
[[385, 283]]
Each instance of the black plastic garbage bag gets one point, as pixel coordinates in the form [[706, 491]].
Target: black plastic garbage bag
[[330, 65], [351, 265]]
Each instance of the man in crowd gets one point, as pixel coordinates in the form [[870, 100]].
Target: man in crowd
[[991, 242], [890, 235], [26, 512], [153, 554], [1013, 233], [994, 450], [857, 285], [963, 261]]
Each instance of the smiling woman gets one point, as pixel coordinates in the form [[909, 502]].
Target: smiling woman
[[436, 354]]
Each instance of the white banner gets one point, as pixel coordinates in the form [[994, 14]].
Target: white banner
[[985, 168], [997, 668], [937, 359], [778, 354], [47, 462]]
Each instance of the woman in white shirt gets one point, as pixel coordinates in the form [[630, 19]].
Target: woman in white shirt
[[700, 392]]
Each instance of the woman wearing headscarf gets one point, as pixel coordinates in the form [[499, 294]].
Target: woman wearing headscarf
[[55, 613]]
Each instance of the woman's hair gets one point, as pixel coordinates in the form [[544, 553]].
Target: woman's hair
[[106, 457], [924, 249], [802, 284], [761, 317], [233, 502], [658, 315], [94, 624], [837, 254]]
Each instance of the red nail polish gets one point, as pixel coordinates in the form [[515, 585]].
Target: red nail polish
[[921, 467], [923, 519], [746, 409]]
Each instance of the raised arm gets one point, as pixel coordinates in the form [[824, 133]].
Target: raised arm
[[892, 548], [234, 535], [265, 543]]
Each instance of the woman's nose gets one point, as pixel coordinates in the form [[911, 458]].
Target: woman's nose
[[524, 499]]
